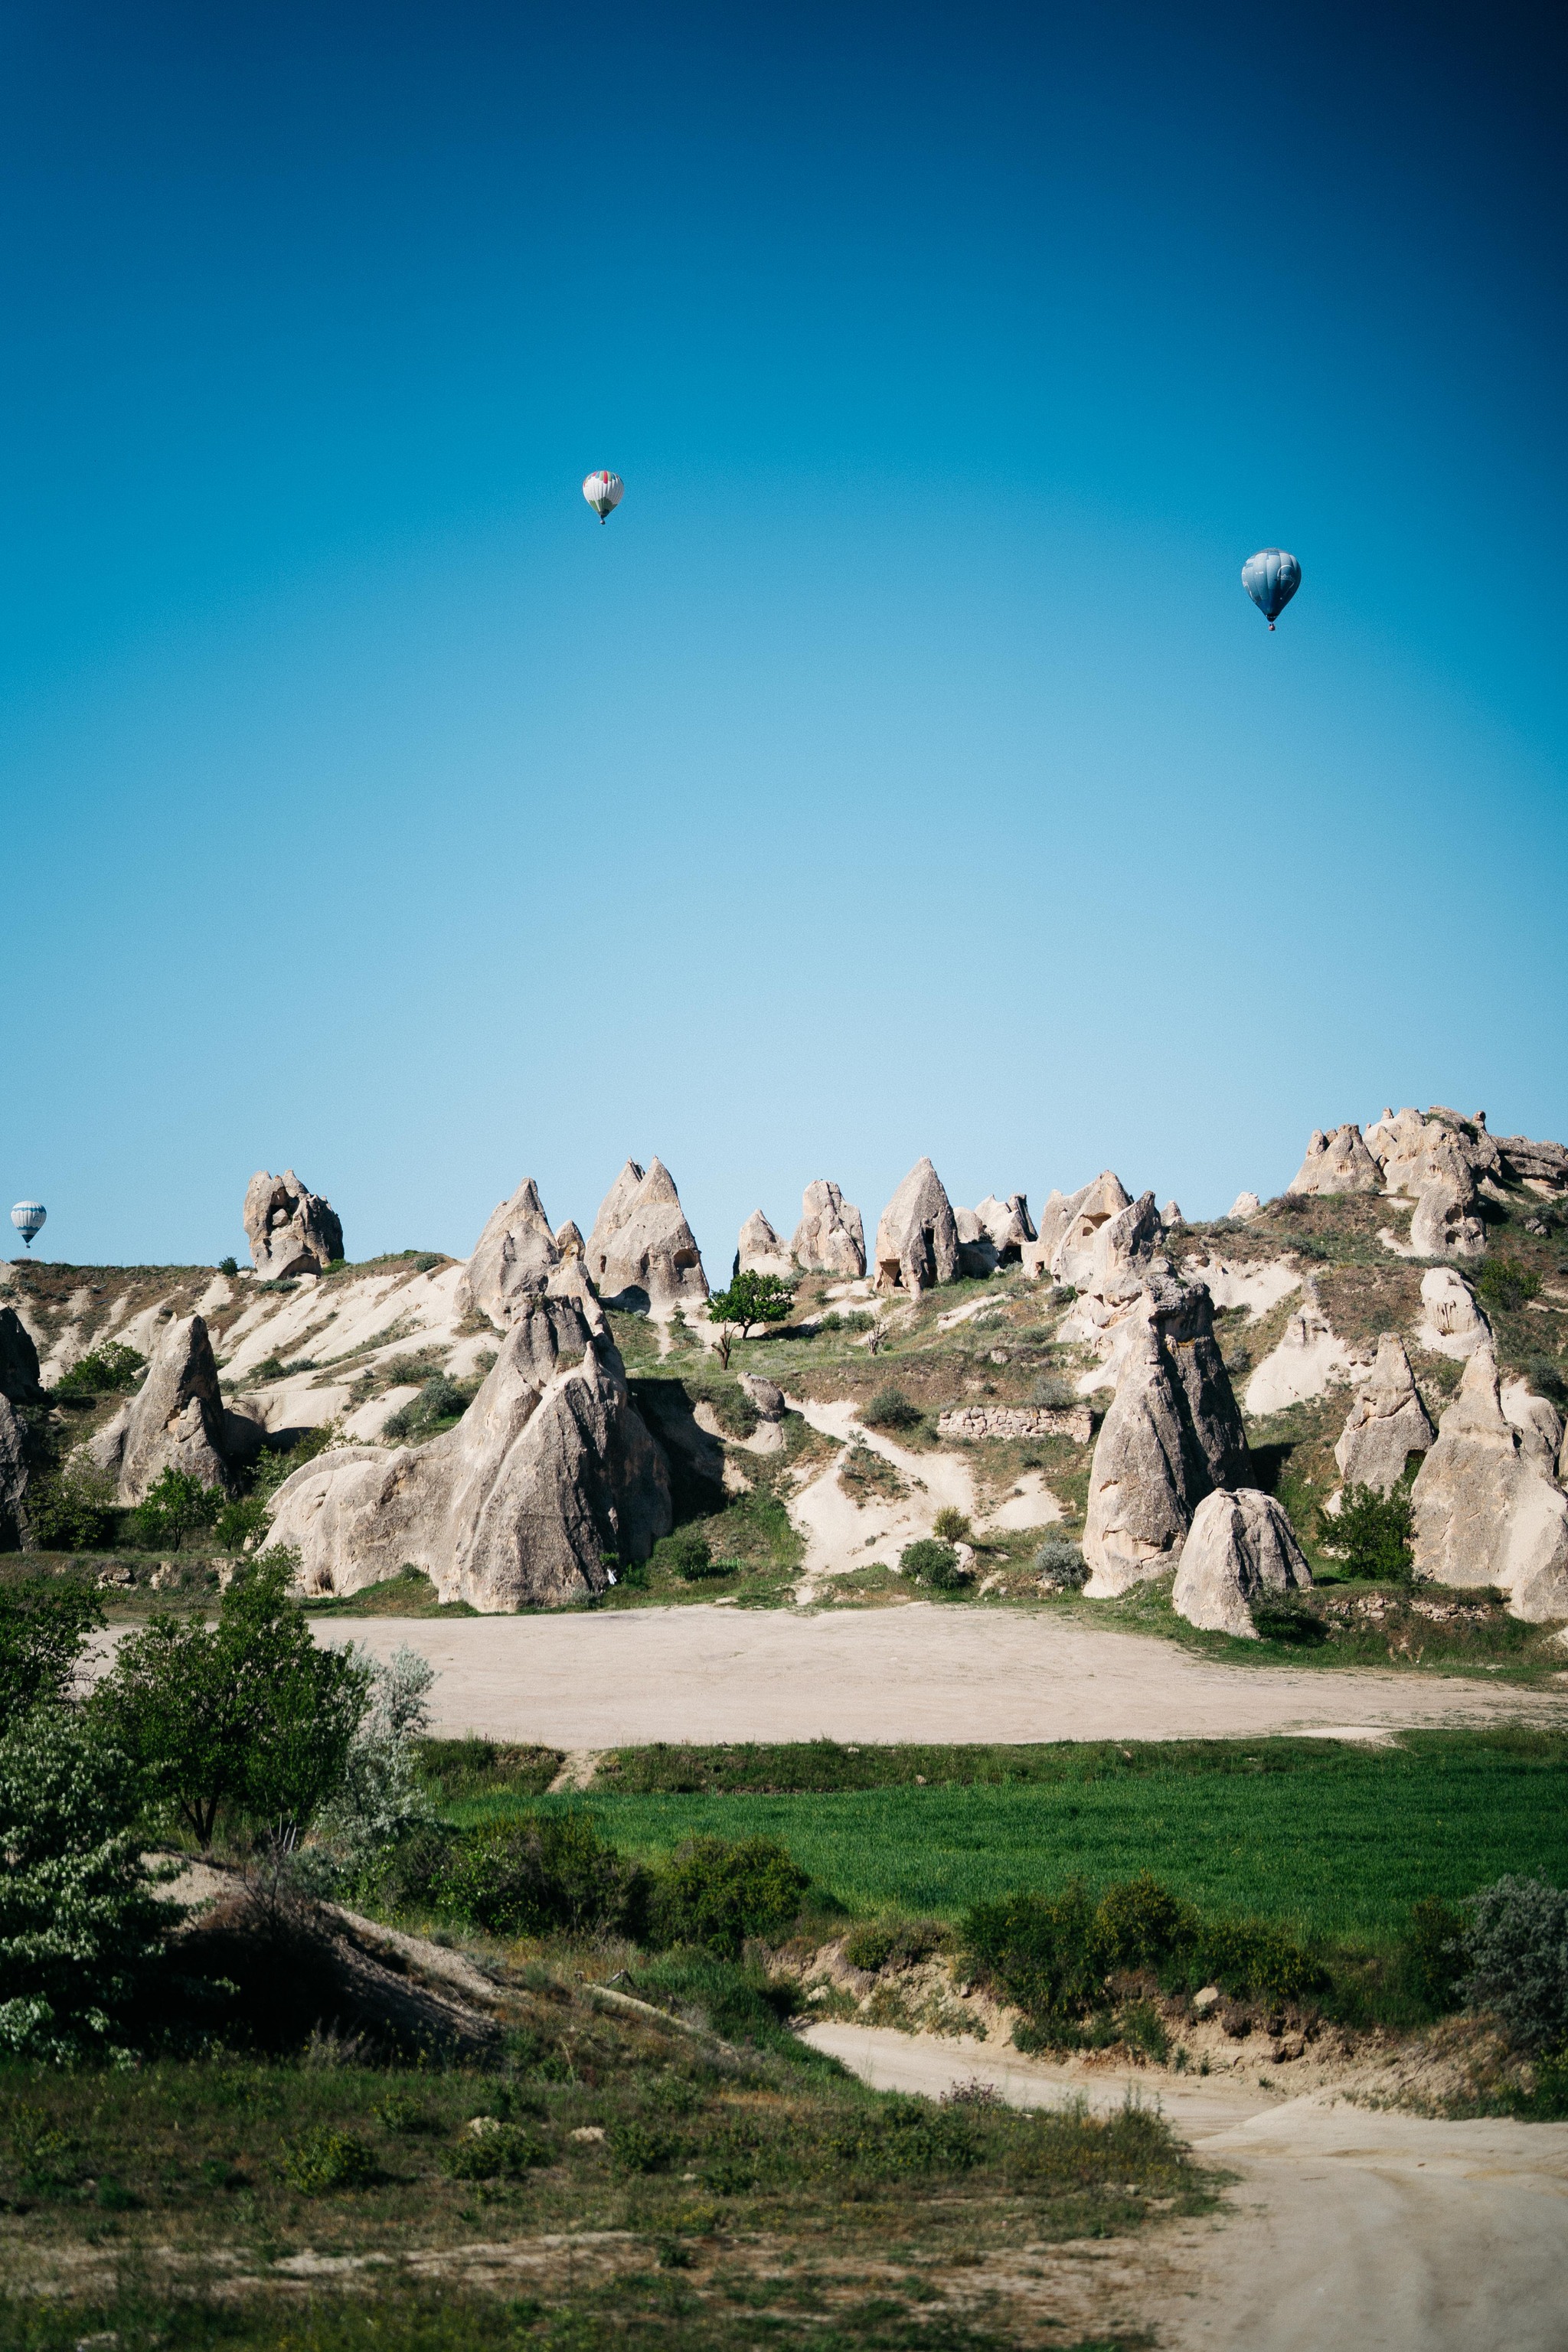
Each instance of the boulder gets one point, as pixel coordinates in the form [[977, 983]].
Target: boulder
[[1173, 1435], [514, 1259], [1337, 1162], [1483, 1512], [549, 1474], [917, 1234], [642, 1252], [1538, 1421], [831, 1237], [761, 1250], [21, 1398], [177, 1419], [768, 1397], [290, 1229], [1241, 1549], [1386, 1423], [1451, 1322]]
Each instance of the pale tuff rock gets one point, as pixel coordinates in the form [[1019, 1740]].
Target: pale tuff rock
[[1539, 1424], [1171, 1214], [21, 1396], [1484, 1513], [1544, 1167], [993, 1234], [917, 1236], [1451, 1322], [1439, 1162], [550, 1470], [1245, 1207], [760, 1251], [974, 1422], [1338, 1162], [514, 1259], [1173, 1435], [641, 1248], [768, 1397], [1241, 1549], [1310, 1358], [290, 1229], [1111, 1271], [569, 1240], [1258, 1284], [831, 1237], [1386, 1423], [1069, 1228], [175, 1421]]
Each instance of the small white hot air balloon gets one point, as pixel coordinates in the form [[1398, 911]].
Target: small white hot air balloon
[[29, 1216], [604, 493]]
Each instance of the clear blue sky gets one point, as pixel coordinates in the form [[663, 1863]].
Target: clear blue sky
[[902, 768]]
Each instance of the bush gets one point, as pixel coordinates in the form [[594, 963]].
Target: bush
[[716, 1893], [635, 2147], [42, 1629], [1287, 1619], [1060, 1562], [439, 1400], [1041, 1952], [935, 1564], [544, 1872], [900, 2136], [380, 1802], [499, 2148], [950, 1525], [1546, 1379], [324, 2160], [1054, 1394], [74, 1510], [1139, 1923], [228, 1266], [894, 1943], [1370, 1534], [1504, 1283], [892, 1409], [105, 1372], [174, 1505], [1431, 1954], [688, 1554], [1516, 1951], [1250, 1955], [79, 1925]]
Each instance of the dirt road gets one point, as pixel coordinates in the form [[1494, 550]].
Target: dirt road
[[1348, 2230], [917, 1672]]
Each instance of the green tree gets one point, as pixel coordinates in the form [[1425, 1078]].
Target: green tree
[[174, 1505], [74, 1510], [247, 1713], [750, 1299], [107, 1370], [1370, 1533], [42, 1629], [79, 1924]]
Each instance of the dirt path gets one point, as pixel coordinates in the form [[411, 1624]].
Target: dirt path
[[1348, 2230], [915, 1672]]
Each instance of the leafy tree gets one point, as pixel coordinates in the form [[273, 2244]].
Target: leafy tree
[[1516, 1945], [74, 1510], [174, 1505], [42, 1629], [228, 1266], [750, 1299], [1504, 1282], [247, 1713], [717, 1891], [107, 1370], [936, 1564], [1370, 1533], [379, 1801], [79, 1924]]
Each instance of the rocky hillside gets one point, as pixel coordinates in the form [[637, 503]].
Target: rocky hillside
[[526, 1426]]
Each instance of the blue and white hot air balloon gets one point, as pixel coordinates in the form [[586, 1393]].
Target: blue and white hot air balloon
[[1271, 578], [29, 1216], [604, 493]]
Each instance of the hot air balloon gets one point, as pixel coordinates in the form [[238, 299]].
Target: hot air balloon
[[28, 1216], [604, 493], [1271, 578]]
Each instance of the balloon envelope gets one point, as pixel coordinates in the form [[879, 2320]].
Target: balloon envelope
[[28, 1216], [1271, 578], [604, 493]]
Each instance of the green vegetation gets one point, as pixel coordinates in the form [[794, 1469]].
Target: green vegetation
[[42, 1629], [892, 1409], [174, 1505], [1504, 1283], [440, 1404], [1370, 1534], [750, 1301], [107, 1371], [933, 1563]]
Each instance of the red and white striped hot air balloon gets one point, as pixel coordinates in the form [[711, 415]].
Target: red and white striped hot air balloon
[[604, 493]]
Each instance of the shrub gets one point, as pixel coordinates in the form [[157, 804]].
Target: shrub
[[228, 1266], [716, 1893], [500, 2148], [1546, 1379], [174, 1505], [1054, 1394], [894, 1943], [892, 1409], [950, 1525], [1516, 1951], [79, 1925], [1431, 1954], [545, 1871], [900, 2136], [439, 1400], [935, 1564], [74, 1510], [1288, 1620], [1503, 1282], [1060, 1562], [1040, 1951], [107, 1370], [1370, 1533], [1250, 1955], [688, 1554], [1139, 1923], [635, 2147], [379, 1802], [42, 1629], [325, 2158]]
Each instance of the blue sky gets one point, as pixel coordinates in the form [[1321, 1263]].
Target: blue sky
[[902, 768]]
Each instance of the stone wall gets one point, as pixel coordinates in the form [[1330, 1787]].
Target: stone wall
[[976, 1421]]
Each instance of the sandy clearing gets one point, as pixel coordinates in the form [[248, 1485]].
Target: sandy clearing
[[916, 1671], [841, 1533], [1350, 2229]]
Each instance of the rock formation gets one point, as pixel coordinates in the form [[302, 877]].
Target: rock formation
[[177, 1419], [1007, 1224], [569, 1240], [1439, 1162], [761, 1250], [1538, 1421], [1544, 1167], [917, 1234], [1243, 1208], [290, 1230], [1386, 1423], [1483, 1512], [1171, 1214], [766, 1395], [1451, 1323], [1112, 1270], [1173, 1435], [550, 1472], [21, 1397], [831, 1237], [1241, 1549], [1068, 1225], [642, 1250], [1338, 1162], [514, 1259]]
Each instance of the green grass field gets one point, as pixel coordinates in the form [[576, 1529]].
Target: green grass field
[[1337, 1842]]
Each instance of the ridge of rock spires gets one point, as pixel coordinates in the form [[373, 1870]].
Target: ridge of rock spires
[[1337, 1162], [831, 1237], [760, 1251], [642, 1250], [21, 1396], [917, 1234], [1484, 1511], [1386, 1425], [994, 1233], [1241, 1547], [1069, 1223], [177, 1419], [290, 1229], [548, 1480], [1173, 1435], [514, 1256]]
